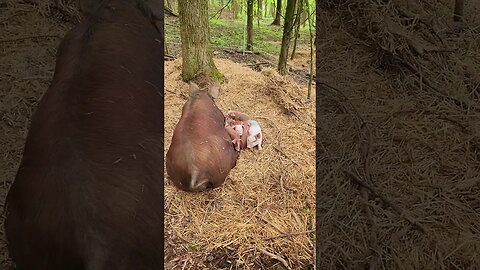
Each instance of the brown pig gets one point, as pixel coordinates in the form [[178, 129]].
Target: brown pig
[[88, 192], [201, 154]]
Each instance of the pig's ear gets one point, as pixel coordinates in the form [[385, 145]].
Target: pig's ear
[[193, 88], [214, 91]]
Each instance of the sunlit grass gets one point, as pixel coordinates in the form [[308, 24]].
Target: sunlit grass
[[232, 33]]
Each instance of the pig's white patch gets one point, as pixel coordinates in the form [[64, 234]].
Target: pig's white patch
[[239, 129], [255, 135]]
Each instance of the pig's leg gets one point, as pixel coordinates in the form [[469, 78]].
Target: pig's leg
[[260, 145], [246, 132], [234, 136]]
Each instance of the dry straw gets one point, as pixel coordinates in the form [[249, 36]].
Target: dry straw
[[265, 211], [399, 149]]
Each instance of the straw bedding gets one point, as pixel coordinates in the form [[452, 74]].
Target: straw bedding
[[399, 130], [269, 193]]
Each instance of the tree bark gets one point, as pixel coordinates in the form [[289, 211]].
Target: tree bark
[[287, 35], [234, 6], [273, 9], [278, 13], [266, 9], [297, 26], [260, 9], [197, 56], [249, 25], [312, 36], [458, 12], [305, 15]]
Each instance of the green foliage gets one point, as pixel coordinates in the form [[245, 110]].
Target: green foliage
[[193, 246], [232, 33]]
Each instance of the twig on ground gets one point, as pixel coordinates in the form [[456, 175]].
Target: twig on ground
[[357, 114], [170, 91], [256, 64], [276, 257], [373, 231], [288, 235], [168, 57], [185, 264], [285, 155], [230, 50], [270, 223], [389, 203], [422, 79], [281, 185]]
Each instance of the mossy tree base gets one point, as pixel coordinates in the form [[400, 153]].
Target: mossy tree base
[[197, 55]]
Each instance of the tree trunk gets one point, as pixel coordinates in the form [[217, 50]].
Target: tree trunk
[[265, 9], [273, 9], [197, 56], [312, 36], [458, 12], [278, 13], [297, 26], [305, 15], [234, 6], [249, 25], [259, 12], [260, 9], [287, 35]]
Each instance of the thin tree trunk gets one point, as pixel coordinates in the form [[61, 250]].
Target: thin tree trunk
[[266, 9], [273, 9], [312, 35], [458, 12], [260, 9], [287, 35], [234, 8], [249, 25], [278, 13], [304, 16], [297, 26], [197, 56]]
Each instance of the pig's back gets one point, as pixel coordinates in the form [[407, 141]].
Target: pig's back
[[201, 144]]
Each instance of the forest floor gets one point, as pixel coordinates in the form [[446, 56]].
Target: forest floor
[[399, 160], [227, 228], [270, 193]]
